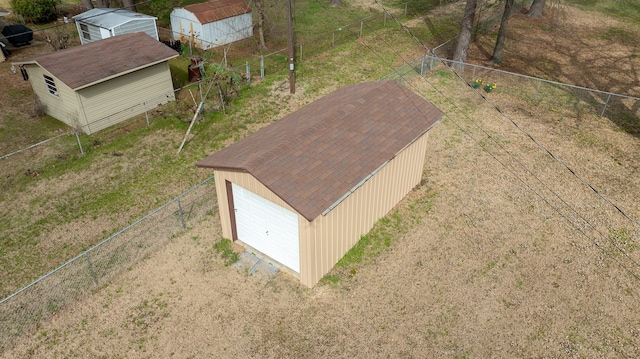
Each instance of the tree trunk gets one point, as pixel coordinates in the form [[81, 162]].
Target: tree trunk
[[260, 7], [464, 39], [536, 8], [87, 5], [102, 3], [129, 5], [502, 34], [335, 3]]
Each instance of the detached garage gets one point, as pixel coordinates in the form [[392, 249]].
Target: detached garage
[[304, 189]]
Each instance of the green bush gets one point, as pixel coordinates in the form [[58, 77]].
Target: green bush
[[36, 11]]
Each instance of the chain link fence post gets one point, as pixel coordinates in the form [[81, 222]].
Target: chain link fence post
[[93, 274]]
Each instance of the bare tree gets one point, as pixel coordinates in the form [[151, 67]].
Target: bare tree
[[59, 38], [502, 34], [464, 39], [87, 4], [129, 5], [260, 8], [536, 8]]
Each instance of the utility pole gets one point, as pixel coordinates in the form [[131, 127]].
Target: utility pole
[[292, 83]]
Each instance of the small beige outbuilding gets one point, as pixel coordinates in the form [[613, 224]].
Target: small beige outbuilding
[[304, 189], [94, 86]]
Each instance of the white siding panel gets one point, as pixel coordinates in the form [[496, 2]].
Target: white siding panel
[[227, 31], [147, 26], [182, 24], [94, 33]]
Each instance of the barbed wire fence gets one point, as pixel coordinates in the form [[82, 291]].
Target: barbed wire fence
[[22, 311]]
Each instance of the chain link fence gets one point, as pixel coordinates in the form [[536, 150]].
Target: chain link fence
[[22, 311], [622, 109]]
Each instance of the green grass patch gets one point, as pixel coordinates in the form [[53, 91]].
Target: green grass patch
[[225, 249], [382, 235]]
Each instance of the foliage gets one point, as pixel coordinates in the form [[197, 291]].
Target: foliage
[[227, 81], [488, 87], [162, 8], [59, 38], [225, 248], [477, 83], [36, 11]]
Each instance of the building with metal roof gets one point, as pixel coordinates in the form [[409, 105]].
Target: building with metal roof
[[97, 24], [213, 23]]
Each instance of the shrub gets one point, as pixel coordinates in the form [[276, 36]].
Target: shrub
[[36, 11]]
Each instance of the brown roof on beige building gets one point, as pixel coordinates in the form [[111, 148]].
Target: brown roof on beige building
[[215, 10], [85, 65], [313, 157]]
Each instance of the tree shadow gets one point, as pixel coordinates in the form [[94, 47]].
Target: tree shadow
[[603, 56]]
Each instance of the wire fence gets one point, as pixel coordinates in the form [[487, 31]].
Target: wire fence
[[34, 158], [622, 109], [22, 311]]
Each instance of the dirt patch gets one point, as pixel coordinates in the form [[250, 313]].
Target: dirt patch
[[516, 257]]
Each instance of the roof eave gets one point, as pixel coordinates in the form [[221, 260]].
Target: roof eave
[[123, 73]]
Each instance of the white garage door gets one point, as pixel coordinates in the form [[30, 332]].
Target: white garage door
[[267, 227]]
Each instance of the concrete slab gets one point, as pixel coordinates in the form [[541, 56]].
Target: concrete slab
[[256, 265]]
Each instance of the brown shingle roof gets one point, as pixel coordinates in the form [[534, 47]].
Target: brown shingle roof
[[215, 10], [314, 156], [84, 65]]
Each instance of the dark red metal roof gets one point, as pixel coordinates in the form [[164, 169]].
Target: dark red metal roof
[[83, 65], [215, 10], [313, 157]]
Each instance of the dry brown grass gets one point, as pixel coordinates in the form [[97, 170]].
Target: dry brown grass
[[515, 257]]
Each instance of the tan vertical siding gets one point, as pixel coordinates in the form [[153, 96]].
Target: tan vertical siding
[[325, 240], [64, 107], [121, 98]]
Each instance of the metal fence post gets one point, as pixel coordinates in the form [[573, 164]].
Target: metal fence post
[[261, 66], [405, 8], [605, 105], [424, 57], [384, 22], [473, 73], [333, 39], [433, 56], [361, 21], [535, 98], [79, 143], [300, 53], [93, 274], [225, 56], [146, 114], [248, 74], [184, 225]]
